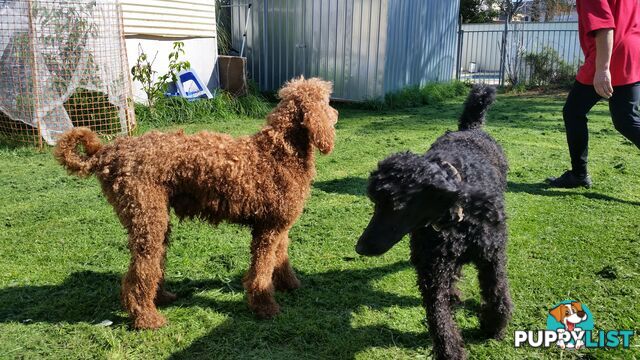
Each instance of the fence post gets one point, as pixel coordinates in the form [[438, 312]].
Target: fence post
[[35, 97], [503, 50], [459, 54]]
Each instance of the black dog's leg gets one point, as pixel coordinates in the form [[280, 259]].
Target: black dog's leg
[[497, 307], [454, 293], [435, 285]]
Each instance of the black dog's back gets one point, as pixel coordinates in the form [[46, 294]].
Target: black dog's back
[[470, 149]]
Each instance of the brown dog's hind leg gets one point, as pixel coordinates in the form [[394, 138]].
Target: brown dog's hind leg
[[259, 280], [147, 220], [284, 278], [164, 297]]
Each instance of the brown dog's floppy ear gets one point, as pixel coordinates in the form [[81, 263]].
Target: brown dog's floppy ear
[[312, 98], [556, 312], [317, 118]]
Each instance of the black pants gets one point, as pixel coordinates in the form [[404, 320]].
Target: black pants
[[625, 113]]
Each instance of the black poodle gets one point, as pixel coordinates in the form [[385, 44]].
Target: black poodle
[[451, 201]]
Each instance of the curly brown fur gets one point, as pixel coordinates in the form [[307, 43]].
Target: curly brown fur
[[261, 181], [66, 151], [451, 201]]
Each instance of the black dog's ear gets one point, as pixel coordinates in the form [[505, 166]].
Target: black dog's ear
[[444, 180], [442, 190]]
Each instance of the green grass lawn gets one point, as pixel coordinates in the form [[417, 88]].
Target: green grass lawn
[[62, 252]]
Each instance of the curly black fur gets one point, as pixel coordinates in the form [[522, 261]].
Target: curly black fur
[[475, 109], [451, 201]]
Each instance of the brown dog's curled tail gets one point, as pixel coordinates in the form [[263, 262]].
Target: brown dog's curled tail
[[68, 154]]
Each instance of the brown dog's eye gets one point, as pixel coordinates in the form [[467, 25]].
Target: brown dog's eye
[[567, 313]]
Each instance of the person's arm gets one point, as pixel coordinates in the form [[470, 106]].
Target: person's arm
[[602, 77]]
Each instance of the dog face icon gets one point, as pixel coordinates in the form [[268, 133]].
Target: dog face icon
[[569, 314]]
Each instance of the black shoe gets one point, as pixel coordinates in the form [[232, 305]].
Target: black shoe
[[569, 180]]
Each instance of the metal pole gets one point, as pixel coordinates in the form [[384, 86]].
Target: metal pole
[[265, 43], [246, 26], [503, 51], [459, 55]]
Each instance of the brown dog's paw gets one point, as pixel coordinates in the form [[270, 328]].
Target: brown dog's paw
[[288, 283], [265, 312], [263, 305], [165, 297], [149, 321]]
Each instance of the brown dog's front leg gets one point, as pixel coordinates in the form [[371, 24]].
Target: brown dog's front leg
[[258, 281], [284, 278]]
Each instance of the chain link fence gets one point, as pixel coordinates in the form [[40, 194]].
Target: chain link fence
[[62, 64]]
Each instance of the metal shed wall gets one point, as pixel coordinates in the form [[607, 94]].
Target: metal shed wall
[[421, 43], [348, 42], [332, 39]]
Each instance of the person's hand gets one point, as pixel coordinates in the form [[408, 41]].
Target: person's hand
[[602, 83]]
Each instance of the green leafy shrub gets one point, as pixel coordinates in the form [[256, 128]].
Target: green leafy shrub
[[437, 92], [413, 96], [549, 69], [176, 110], [94, 110], [407, 97], [143, 72]]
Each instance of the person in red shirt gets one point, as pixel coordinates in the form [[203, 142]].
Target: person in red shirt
[[610, 39]]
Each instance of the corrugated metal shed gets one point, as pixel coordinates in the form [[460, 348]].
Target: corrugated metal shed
[[422, 42], [366, 47], [169, 18]]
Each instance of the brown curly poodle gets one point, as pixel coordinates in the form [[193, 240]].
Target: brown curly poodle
[[260, 181]]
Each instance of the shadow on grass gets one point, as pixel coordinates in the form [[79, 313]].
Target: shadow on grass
[[544, 190], [88, 296], [317, 319], [541, 116], [350, 185], [84, 296]]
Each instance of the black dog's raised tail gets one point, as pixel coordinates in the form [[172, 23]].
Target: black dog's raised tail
[[475, 108]]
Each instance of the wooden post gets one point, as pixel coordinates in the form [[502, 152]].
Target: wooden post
[[34, 71], [124, 60]]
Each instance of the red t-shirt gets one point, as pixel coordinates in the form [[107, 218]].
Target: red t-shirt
[[624, 17]]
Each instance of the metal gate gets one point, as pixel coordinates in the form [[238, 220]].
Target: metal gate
[[519, 53]]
